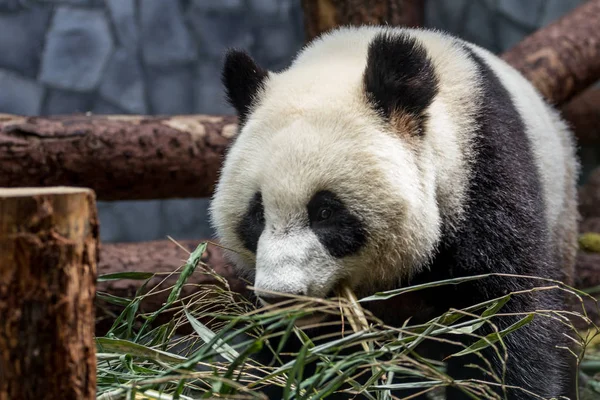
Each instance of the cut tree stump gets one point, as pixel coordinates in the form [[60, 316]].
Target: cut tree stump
[[48, 256]]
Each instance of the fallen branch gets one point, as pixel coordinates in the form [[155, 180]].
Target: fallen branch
[[119, 157], [563, 58]]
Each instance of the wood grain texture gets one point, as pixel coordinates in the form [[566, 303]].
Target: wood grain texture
[[48, 256], [563, 58], [119, 157], [583, 114], [161, 257]]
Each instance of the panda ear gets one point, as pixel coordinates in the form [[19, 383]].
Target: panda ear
[[400, 80], [243, 79]]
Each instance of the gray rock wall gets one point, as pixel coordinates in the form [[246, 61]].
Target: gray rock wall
[[163, 57]]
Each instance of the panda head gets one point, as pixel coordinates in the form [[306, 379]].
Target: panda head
[[328, 179]]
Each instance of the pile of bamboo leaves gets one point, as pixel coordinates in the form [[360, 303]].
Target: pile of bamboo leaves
[[140, 358]]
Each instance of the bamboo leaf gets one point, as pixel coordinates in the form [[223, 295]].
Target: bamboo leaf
[[138, 276], [136, 349], [188, 269], [493, 337], [225, 350], [111, 299], [392, 293]]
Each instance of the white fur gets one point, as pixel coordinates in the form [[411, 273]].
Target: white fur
[[313, 129]]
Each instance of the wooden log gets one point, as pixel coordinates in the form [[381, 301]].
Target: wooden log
[[119, 157], [161, 257], [323, 15], [588, 269], [588, 263], [48, 255], [563, 58], [589, 196], [583, 114]]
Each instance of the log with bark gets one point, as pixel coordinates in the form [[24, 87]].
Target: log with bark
[[128, 158], [583, 114], [563, 58], [159, 257], [588, 262], [589, 196], [119, 157], [323, 15], [48, 255]]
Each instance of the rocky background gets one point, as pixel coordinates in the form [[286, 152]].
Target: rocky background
[[163, 57]]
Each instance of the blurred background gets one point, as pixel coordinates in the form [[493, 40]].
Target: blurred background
[[164, 57]]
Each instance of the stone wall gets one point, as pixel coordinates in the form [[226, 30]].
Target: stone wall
[[163, 57], [127, 56]]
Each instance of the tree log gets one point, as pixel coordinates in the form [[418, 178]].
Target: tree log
[[323, 15], [583, 113], [155, 257], [588, 263], [48, 255], [589, 196], [588, 269], [119, 157], [158, 257], [563, 58]]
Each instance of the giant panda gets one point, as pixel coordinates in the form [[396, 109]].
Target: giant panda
[[385, 157]]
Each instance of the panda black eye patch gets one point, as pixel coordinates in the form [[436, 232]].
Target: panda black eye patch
[[252, 223], [341, 232]]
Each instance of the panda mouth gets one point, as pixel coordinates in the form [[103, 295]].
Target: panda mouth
[[318, 317], [313, 319]]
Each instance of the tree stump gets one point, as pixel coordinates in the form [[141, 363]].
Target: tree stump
[[48, 256]]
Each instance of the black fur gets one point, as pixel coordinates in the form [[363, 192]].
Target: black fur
[[342, 234], [253, 223], [399, 76], [504, 232], [243, 79]]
